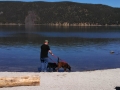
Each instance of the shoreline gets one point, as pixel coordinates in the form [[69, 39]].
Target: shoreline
[[87, 80]]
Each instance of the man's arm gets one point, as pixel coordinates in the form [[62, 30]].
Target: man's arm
[[50, 52]]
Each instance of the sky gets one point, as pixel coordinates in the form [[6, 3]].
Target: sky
[[113, 3]]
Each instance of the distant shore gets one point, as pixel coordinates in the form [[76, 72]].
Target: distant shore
[[88, 80], [63, 25]]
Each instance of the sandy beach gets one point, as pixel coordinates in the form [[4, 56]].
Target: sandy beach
[[88, 80]]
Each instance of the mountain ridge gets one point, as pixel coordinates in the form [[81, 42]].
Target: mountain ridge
[[58, 13]]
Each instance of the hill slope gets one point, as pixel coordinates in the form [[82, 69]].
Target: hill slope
[[58, 12]]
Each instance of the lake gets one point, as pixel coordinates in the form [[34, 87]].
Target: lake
[[84, 48]]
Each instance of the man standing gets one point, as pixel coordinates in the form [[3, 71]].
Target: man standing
[[44, 55]]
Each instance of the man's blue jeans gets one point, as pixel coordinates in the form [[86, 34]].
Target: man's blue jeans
[[44, 63]]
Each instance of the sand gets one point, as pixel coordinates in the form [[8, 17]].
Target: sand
[[88, 80]]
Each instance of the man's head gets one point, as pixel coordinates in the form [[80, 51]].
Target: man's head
[[46, 42]]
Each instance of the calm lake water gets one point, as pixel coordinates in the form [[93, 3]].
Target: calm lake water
[[84, 48]]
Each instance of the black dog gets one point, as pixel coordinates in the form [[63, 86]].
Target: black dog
[[52, 65]]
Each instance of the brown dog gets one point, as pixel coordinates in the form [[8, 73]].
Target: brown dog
[[63, 65]]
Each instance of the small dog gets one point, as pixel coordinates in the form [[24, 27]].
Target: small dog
[[63, 65], [52, 65]]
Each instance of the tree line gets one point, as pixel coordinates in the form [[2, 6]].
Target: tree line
[[59, 13]]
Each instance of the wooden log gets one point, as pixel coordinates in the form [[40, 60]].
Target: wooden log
[[19, 81]]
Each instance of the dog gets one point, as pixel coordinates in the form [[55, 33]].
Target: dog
[[58, 65], [63, 65], [52, 66]]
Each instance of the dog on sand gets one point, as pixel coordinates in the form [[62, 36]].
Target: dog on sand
[[52, 66], [64, 65], [58, 65]]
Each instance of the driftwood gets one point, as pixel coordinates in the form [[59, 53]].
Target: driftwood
[[19, 81]]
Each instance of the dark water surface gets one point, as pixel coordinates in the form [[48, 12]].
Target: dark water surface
[[84, 48]]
